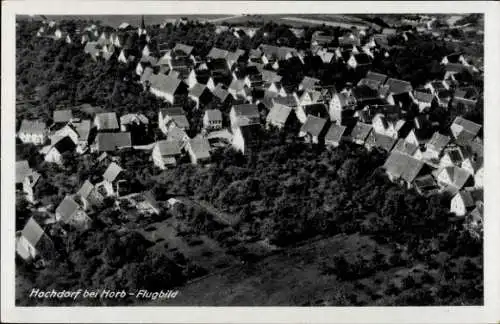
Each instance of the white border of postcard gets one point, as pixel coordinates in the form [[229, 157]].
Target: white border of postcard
[[488, 313]]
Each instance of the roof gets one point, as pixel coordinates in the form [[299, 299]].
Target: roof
[[458, 176], [289, 100], [22, 170], [82, 128], [64, 144], [67, 208], [237, 85], [308, 83], [313, 125], [335, 133], [168, 148], [133, 118], [213, 114], [62, 116], [381, 141], [466, 198], [112, 172], [362, 58], [403, 166], [361, 131], [251, 134], [467, 125], [438, 142], [220, 92], [405, 147], [32, 232], [326, 57], [164, 83], [398, 86], [106, 121], [86, 189], [200, 147], [247, 110], [217, 53], [278, 114], [186, 49], [270, 76], [423, 96], [113, 141], [32, 127], [197, 90]]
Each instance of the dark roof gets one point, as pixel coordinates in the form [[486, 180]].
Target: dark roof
[[398, 86], [361, 131], [112, 141], [65, 144], [317, 110], [289, 100], [403, 166], [249, 110], [313, 125], [362, 58], [62, 116], [251, 133]]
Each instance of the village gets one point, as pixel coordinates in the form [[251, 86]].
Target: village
[[241, 97]]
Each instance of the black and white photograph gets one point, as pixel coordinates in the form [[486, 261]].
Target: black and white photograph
[[249, 159]]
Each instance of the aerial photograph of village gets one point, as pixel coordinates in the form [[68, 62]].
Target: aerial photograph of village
[[249, 160]]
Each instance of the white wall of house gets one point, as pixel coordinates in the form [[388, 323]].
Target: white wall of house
[[238, 140], [53, 156], [457, 206], [34, 138], [157, 158]]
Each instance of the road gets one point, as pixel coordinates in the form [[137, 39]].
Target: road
[[326, 22]]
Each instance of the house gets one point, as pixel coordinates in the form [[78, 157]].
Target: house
[[451, 156], [360, 133], [29, 186], [198, 150], [380, 141], [108, 142], [395, 87], [246, 138], [55, 152], [423, 100], [466, 98], [244, 114], [390, 125], [212, 119], [167, 87], [166, 153], [170, 117], [334, 135], [217, 53], [406, 147], [62, 116], [339, 103], [463, 130], [278, 116], [91, 48], [315, 109], [313, 130], [177, 135], [129, 122], [106, 122], [462, 203], [364, 95], [399, 166], [349, 40], [361, 60], [433, 147], [308, 83], [426, 185], [114, 180], [33, 131], [32, 243], [455, 58], [222, 97], [22, 171], [220, 138], [453, 178], [238, 88], [88, 196], [78, 130], [69, 212], [320, 39], [373, 80], [200, 94]]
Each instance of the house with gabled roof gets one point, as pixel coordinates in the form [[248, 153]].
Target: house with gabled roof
[[335, 135], [106, 122], [22, 170], [33, 243], [71, 213], [433, 148], [405, 147], [62, 116], [426, 185], [114, 181], [200, 94], [56, 150], [395, 87], [462, 203], [246, 138], [212, 119], [314, 129], [466, 98], [463, 130], [167, 87], [166, 153], [33, 131], [78, 130], [174, 116], [390, 125], [109, 142], [198, 149], [373, 80], [182, 49], [129, 121], [177, 135], [361, 60], [452, 156], [244, 114], [88, 195], [380, 141], [400, 166], [309, 83], [238, 88], [222, 97], [279, 115], [453, 178], [349, 40], [360, 132]]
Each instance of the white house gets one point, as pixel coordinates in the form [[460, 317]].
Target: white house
[[212, 119], [33, 131], [461, 203], [166, 153], [32, 242]]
